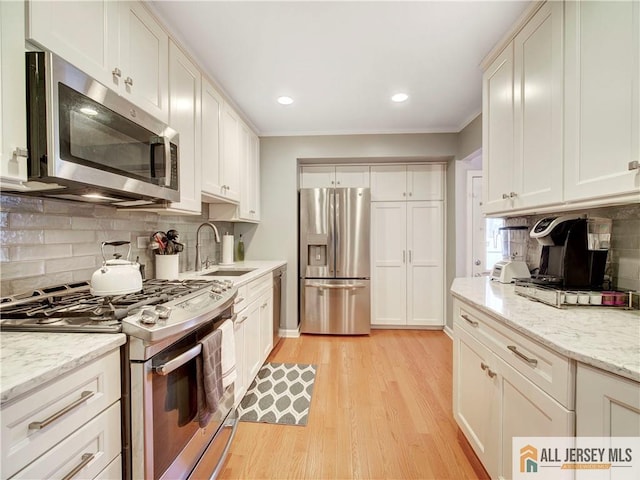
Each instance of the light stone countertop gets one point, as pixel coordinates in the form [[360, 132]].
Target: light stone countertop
[[606, 338], [261, 267], [30, 359]]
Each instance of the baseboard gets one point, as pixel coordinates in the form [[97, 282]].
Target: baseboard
[[406, 327], [448, 331], [290, 333]]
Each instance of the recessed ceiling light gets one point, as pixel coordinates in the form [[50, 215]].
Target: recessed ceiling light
[[399, 97], [285, 100]]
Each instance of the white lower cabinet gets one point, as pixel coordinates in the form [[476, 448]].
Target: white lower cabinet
[[607, 405], [253, 330], [493, 398], [71, 422]]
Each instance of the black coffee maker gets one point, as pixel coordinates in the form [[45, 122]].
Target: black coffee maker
[[574, 250]]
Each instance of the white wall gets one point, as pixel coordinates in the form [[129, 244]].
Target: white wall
[[276, 236]]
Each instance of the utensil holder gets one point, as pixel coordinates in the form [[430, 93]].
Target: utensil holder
[[167, 267]]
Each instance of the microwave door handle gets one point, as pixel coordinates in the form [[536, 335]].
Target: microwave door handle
[[167, 161]]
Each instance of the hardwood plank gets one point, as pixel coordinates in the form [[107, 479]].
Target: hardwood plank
[[381, 408]]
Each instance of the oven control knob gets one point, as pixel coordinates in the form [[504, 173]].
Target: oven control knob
[[148, 317], [216, 290], [162, 311]]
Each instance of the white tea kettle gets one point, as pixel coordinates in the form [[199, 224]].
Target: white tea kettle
[[116, 277]]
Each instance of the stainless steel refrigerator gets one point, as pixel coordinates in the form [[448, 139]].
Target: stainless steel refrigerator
[[334, 260]]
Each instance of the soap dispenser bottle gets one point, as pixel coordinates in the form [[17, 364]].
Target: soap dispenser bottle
[[240, 249]]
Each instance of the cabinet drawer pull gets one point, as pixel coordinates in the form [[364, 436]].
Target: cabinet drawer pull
[[472, 322], [86, 458], [483, 366], [238, 300], [531, 361], [129, 81], [86, 395], [491, 373]]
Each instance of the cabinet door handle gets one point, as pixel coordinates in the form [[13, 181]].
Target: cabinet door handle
[[491, 373], [238, 300], [531, 361], [472, 322], [635, 165], [116, 72], [84, 396], [411, 194], [409, 256], [505, 196], [86, 458], [129, 81], [403, 256], [484, 366], [513, 194]]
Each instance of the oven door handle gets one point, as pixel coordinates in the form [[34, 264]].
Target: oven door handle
[[177, 362]]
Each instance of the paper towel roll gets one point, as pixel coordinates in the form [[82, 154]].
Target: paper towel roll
[[227, 249]]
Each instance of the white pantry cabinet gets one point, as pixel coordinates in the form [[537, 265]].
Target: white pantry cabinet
[[505, 386], [606, 405], [13, 116], [119, 44], [39, 443], [407, 274], [329, 176], [602, 100], [407, 182], [185, 117]]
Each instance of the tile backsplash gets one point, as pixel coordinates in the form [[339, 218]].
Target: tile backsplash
[[623, 261], [48, 242]]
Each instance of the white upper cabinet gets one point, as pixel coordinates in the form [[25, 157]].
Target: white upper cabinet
[[118, 43], [602, 100], [497, 132], [329, 176], [13, 120], [211, 145], [144, 56], [231, 153], [407, 182], [250, 179], [537, 64], [185, 95]]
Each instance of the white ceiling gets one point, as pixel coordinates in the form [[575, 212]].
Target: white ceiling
[[342, 61]]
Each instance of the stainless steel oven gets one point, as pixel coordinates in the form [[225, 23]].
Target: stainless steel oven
[[167, 441], [86, 142]]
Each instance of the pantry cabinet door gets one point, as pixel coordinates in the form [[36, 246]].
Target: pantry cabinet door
[[388, 183], [389, 263], [497, 133], [538, 109], [83, 33], [602, 99], [425, 269]]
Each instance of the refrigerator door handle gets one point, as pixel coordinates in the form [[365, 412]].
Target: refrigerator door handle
[[337, 287], [332, 230]]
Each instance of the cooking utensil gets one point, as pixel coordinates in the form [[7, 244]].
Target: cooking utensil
[[117, 276], [161, 239], [172, 234]]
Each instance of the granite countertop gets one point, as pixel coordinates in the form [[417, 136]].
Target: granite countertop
[[30, 359], [606, 338]]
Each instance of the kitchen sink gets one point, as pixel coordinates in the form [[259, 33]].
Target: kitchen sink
[[228, 273]]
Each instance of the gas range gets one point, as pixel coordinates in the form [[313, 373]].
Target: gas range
[[162, 308]]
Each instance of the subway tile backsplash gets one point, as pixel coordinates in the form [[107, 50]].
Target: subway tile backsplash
[[623, 261], [48, 242]]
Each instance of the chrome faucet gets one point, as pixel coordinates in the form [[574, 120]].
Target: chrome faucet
[[217, 237]]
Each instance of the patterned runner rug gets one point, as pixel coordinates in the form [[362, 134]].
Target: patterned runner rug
[[280, 393]]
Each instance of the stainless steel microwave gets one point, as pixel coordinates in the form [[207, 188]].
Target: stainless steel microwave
[[86, 142]]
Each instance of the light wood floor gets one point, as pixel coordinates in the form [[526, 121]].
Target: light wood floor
[[381, 408]]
